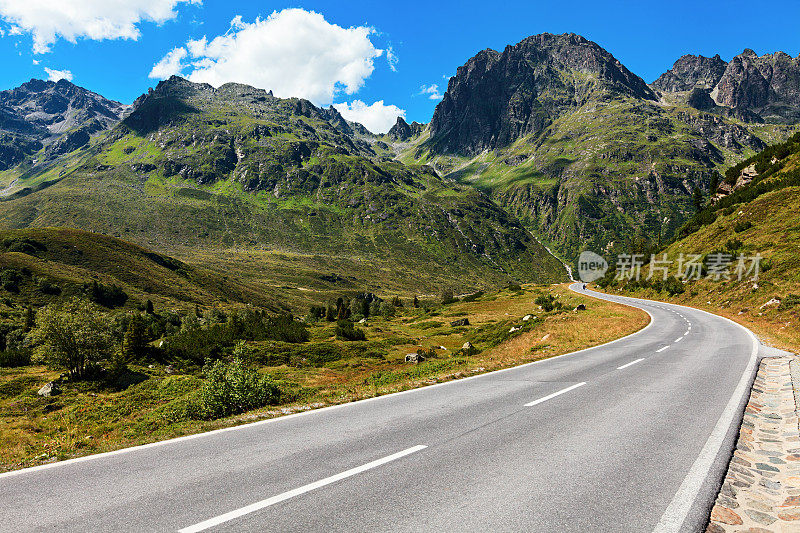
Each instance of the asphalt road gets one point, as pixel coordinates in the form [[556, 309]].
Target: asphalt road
[[630, 436]]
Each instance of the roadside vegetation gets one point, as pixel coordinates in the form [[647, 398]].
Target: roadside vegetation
[[77, 377], [760, 217]]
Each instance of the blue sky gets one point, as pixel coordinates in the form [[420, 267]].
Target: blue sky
[[342, 54]]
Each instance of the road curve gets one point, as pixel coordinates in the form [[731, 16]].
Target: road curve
[[630, 436]]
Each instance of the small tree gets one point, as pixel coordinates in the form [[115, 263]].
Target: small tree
[[29, 319], [447, 296], [697, 198], [134, 342], [415, 303], [73, 335]]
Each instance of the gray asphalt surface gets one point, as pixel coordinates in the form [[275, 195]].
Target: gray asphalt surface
[[609, 455]]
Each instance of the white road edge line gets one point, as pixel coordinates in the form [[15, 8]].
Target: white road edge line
[[311, 412], [678, 509], [662, 349], [626, 365], [227, 517], [551, 396], [679, 339]]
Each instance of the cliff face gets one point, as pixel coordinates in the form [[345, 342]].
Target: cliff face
[[691, 72], [496, 98], [753, 88], [768, 85]]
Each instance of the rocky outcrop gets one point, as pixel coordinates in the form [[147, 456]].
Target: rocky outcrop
[[496, 98], [768, 85], [403, 131], [750, 87], [691, 72]]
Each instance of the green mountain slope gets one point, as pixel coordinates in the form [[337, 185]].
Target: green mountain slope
[[277, 189], [580, 149], [759, 216], [40, 265]]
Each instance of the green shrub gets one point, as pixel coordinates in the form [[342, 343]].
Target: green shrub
[[10, 279], [197, 344], [106, 295], [346, 331], [74, 335], [233, 388], [673, 286], [13, 358], [742, 225], [789, 302], [548, 302], [732, 245]]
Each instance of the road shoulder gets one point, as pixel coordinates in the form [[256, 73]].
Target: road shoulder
[[761, 490]]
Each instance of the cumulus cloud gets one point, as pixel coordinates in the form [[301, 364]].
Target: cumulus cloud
[[293, 52], [377, 118], [170, 64], [431, 91], [55, 75], [47, 20]]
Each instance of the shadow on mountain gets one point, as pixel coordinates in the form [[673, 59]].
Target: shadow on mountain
[[155, 112]]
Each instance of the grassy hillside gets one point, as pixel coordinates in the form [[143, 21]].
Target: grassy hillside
[[612, 172], [234, 175], [39, 266], [758, 218]]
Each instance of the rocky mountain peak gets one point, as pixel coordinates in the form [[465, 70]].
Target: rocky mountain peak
[[690, 72], [767, 85], [496, 98], [401, 131], [60, 116]]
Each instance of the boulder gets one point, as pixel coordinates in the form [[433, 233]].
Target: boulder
[[581, 307], [468, 348], [414, 358], [460, 322], [526, 318], [50, 389]]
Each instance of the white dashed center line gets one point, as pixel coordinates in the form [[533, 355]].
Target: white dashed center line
[[631, 363], [227, 517], [551, 396]]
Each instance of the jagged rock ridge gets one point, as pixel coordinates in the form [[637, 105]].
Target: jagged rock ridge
[[58, 116]]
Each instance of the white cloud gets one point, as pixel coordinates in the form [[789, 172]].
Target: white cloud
[[36, 61], [47, 20], [55, 75], [391, 58], [170, 64], [293, 52], [377, 118], [431, 91]]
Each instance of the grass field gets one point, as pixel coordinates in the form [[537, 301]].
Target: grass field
[[86, 418]]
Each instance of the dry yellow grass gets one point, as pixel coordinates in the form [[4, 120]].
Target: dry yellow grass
[[85, 420]]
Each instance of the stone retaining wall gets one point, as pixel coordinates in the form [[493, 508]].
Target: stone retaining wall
[[761, 491]]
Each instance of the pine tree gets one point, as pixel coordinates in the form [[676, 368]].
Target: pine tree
[[134, 341], [29, 319]]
